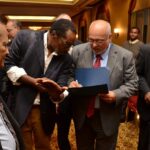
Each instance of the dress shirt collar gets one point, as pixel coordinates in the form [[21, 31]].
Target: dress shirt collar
[[45, 45], [133, 42], [105, 54]]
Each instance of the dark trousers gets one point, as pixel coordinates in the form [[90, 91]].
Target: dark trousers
[[92, 137], [144, 135], [1, 147], [63, 125]]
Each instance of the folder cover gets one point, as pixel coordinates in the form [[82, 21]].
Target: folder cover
[[93, 81]]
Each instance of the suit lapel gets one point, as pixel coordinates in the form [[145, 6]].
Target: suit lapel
[[14, 125], [88, 57], [52, 65], [40, 49], [112, 57]]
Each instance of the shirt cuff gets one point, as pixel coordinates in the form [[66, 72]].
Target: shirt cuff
[[14, 73], [65, 93]]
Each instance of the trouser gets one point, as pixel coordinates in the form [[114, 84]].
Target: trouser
[[92, 137], [144, 135], [63, 123], [33, 133]]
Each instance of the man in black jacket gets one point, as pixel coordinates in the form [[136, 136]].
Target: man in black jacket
[[33, 56], [10, 137], [143, 71]]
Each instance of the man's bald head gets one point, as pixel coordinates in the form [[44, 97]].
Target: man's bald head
[[64, 16], [99, 35], [100, 27]]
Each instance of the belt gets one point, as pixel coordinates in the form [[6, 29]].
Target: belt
[[35, 106]]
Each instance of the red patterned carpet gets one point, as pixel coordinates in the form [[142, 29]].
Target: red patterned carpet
[[127, 138]]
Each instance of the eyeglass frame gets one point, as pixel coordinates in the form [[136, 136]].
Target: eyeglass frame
[[97, 41]]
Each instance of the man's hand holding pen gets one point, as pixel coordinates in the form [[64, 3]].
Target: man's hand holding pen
[[74, 84], [110, 97]]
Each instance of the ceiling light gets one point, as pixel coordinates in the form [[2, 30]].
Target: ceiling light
[[32, 18], [65, 2], [35, 27]]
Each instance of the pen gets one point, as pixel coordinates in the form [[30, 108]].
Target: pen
[[78, 83]]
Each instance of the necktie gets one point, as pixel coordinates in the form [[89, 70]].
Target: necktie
[[9, 125], [97, 61], [90, 110]]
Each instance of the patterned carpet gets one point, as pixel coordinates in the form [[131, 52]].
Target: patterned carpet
[[127, 138]]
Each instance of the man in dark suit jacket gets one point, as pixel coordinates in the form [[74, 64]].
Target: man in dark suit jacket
[[100, 130], [10, 140], [34, 55], [143, 71], [64, 115]]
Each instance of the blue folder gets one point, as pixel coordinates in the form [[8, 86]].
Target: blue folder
[[93, 81], [92, 76]]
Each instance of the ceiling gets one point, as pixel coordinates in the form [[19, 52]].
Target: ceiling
[[42, 8], [64, 2]]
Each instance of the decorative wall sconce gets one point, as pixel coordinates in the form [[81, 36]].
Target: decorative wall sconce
[[116, 32]]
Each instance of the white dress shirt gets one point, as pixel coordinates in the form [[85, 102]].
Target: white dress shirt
[[103, 63], [6, 138]]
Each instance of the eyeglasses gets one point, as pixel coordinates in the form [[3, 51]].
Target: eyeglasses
[[97, 41]]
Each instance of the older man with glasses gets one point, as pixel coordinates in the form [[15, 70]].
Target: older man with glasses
[[98, 129]]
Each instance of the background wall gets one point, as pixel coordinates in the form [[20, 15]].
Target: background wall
[[118, 11], [119, 18], [141, 15], [142, 4]]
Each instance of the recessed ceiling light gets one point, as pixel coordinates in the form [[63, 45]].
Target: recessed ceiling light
[[35, 27], [32, 18], [64, 2]]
